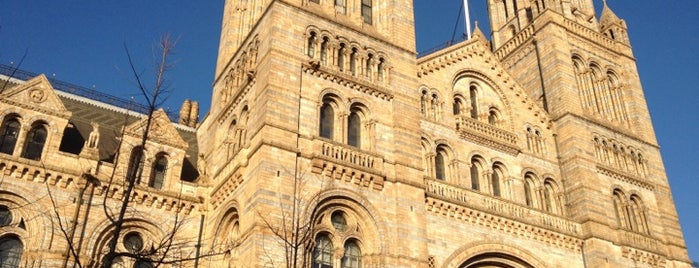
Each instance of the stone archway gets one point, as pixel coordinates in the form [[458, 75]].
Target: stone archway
[[495, 260], [491, 254]]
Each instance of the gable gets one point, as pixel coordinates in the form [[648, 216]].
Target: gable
[[36, 94], [453, 69], [161, 130]]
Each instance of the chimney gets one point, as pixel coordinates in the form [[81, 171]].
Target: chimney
[[194, 114], [185, 112]]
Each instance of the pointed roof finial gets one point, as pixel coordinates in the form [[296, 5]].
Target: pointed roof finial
[[608, 15], [477, 32]]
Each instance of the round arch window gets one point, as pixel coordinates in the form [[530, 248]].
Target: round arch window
[[133, 242], [339, 220]]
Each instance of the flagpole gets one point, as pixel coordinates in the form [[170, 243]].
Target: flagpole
[[467, 18]]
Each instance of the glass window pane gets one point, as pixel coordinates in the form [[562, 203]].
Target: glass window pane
[[10, 131], [5, 216], [354, 130], [36, 138], [10, 252], [323, 252], [327, 120]]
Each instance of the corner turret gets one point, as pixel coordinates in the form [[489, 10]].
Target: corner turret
[[612, 26]]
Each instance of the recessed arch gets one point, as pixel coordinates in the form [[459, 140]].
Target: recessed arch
[[464, 81], [372, 226], [470, 254]]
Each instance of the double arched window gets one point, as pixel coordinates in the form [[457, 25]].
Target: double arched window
[[343, 231], [330, 122], [431, 104], [630, 212], [544, 196]]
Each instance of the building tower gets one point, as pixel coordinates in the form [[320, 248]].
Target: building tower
[[583, 73], [283, 67]]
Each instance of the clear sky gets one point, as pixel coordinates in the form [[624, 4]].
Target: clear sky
[[81, 42]]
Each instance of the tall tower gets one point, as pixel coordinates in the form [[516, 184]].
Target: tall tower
[[309, 102], [583, 72]]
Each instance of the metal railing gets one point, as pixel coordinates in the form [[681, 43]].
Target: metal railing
[[81, 91]]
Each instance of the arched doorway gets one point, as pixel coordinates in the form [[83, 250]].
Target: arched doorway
[[495, 260]]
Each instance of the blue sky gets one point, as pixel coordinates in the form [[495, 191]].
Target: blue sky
[[82, 41]]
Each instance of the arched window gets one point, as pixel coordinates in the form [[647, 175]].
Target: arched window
[[458, 106], [638, 214], [492, 117], [380, 72], [10, 132], [366, 11], [354, 128], [423, 103], [341, 57], [157, 177], [34, 146], [434, 105], [475, 174], [474, 102], [323, 252], [311, 45], [353, 255], [10, 252], [353, 61], [232, 139], [550, 195], [324, 50], [496, 180], [135, 165], [440, 164], [529, 189], [338, 220], [327, 120], [368, 66], [620, 208], [133, 242]]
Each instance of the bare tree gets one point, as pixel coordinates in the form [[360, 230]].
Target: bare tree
[[168, 249], [295, 228]]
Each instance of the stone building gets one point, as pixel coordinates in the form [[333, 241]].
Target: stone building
[[331, 143]]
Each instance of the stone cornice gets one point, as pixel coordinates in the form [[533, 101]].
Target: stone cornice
[[622, 176], [502, 224], [23, 169], [316, 69], [606, 126]]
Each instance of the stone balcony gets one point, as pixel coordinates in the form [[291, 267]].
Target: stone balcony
[[498, 206], [347, 163], [638, 240], [488, 135]]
